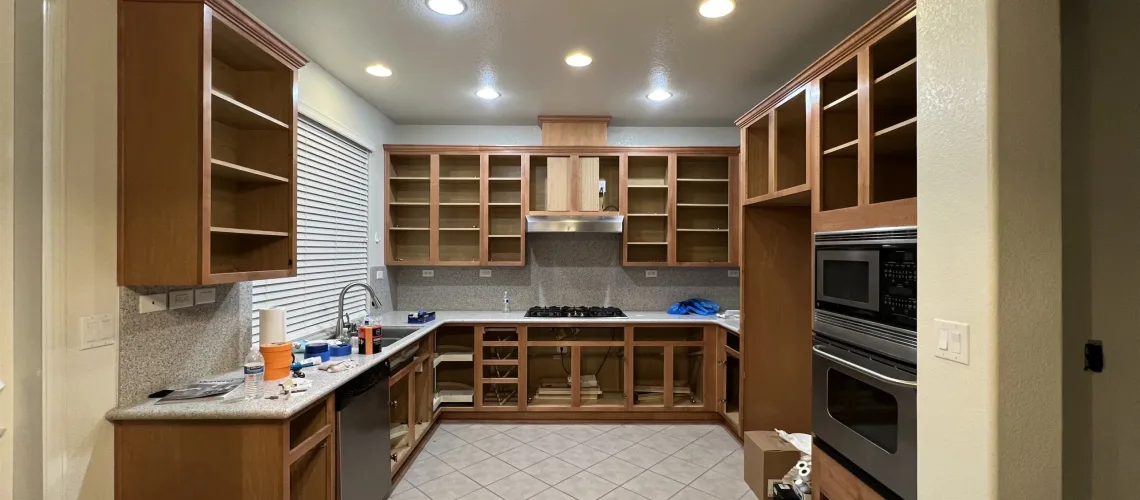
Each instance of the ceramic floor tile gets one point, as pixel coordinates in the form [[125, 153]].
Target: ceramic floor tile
[[583, 456], [687, 432], [442, 442], [605, 427], [524, 456], [423, 471], [474, 433], [464, 456], [690, 493], [720, 486], [481, 494], [528, 433], [579, 433], [449, 487], [622, 494], [732, 466], [608, 444], [488, 471], [738, 453], [641, 456], [719, 440], [749, 495], [664, 444], [401, 486], [517, 486], [502, 427], [553, 444], [552, 494], [704, 457], [615, 470], [552, 470], [450, 426], [499, 443], [409, 494], [633, 433], [585, 486], [679, 470], [653, 486]]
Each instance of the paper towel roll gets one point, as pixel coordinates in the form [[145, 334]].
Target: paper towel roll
[[272, 326]]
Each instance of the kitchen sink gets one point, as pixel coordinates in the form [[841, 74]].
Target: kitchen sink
[[392, 334]]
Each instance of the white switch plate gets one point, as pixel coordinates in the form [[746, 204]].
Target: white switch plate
[[429, 273], [204, 296], [650, 273], [484, 273], [180, 299], [733, 273], [379, 274], [152, 303], [953, 341], [96, 331]]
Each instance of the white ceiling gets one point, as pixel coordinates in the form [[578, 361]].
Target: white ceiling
[[716, 68]]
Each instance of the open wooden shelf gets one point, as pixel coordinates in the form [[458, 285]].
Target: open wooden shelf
[[248, 232], [791, 142], [238, 173], [791, 197], [757, 138], [232, 112]]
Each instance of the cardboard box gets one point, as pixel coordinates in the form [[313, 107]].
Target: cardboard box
[[767, 457]]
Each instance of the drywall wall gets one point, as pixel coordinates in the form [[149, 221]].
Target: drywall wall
[[564, 269], [532, 135], [989, 248], [1101, 438], [7, 241]]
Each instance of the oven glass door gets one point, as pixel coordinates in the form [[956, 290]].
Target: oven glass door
[[848, 278], [865, 409]]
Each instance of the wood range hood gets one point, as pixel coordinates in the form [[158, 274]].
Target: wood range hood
[[575, 131]]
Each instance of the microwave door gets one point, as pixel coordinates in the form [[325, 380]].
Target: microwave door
[[848, 277]]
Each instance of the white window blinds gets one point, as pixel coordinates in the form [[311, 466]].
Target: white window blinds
[[332, 234]]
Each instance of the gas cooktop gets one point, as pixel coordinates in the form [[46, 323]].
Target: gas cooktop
[[574, 312]]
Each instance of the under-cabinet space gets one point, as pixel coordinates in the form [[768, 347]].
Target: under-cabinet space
[[648, 376], [732, 340], [688, 376], [757, 137], [505, 167], [459, 191], [424, 382], [399, 430], [459, 166], [459, 247], [242, 253], [669, 334], [501, 395], [505, 249], [409, 166], [504, 192], [505, 220], [648, 171], [548, 372], [710, 247], [500, 334], [730, 399], [311, 475], [458, 217], [702, 218], [838, 182], [265, 152], [549, 183], [575, 334], [602, 372], [647, 254], [500, 362], [647, 229], [410, 246], [307, 424], [455, 385], [791, 142]]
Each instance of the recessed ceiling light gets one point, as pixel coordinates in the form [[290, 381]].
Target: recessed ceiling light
[[488, 93], [578, 60], [659, 95], [717, 8], [378, 70], [447, 7]]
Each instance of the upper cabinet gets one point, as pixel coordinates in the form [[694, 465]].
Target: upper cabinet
[[575, 184], [207, 145]]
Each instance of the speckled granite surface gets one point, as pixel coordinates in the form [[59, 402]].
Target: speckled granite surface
[[564, 269], [167, 348], [324, 383]]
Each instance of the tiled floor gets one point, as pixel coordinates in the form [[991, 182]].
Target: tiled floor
[[577, 462]]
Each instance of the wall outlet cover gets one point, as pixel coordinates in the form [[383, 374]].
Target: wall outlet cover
[[379, 274], [152, 303], [204, 296], [953, 341], [484, 273], [428, 273], [96, 331], [733, 273], [180, 299], [650, 273]]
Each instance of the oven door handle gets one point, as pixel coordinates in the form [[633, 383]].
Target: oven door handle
[[864, 370]]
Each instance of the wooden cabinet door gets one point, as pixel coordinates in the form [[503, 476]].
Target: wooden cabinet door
[[313, 475]]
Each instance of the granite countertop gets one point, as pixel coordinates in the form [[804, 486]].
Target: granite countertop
[[324, 383]]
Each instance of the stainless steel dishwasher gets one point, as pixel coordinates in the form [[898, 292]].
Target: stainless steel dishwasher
[[363, 444]]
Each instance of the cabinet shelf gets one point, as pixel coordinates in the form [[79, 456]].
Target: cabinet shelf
[[503, 179], [458, 229], [410, 228], [702, 204], [649, 186], [897, 138], [458, 179], [702, 180], [504, 204], [846, 149], [409, 179], [906, 71], [248, 232], [232, 112], [647, 243], [647, 215], [681, 230], [504, 236], [238, 173], [409, 203], [460, 204], [846, 103]]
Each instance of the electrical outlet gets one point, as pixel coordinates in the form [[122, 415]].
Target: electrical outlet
[[484, 273], [650, 273], [152, 303], [204, 296], [733, 273], [180, 299], [428, 273]]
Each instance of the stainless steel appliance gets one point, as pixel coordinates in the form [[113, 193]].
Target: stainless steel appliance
[[574, 312], [362, 429], [864, 363]]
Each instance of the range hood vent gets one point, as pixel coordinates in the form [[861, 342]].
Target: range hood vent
[[574, 223]]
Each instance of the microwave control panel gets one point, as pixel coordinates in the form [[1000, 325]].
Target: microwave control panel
[[899, 285]]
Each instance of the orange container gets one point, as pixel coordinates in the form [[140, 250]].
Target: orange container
[[278, 358]]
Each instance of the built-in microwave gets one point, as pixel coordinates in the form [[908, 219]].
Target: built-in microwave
[[866, 289]]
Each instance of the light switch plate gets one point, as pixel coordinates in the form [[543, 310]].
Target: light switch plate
[[650, 273], [96, 331], [180, 299], [733, 273], [379, 274], [152, 303], [428, 273], [484, 273], [204, 296], [953, 341]]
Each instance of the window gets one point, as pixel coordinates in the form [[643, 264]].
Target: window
[[332, 234]]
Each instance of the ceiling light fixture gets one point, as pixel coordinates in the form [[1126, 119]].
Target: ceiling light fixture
[[447, 7], [578, 60], [488, 93], [659, 95], [713, 9], [378, 70]]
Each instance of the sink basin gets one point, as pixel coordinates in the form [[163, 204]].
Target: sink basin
[[397, 332]]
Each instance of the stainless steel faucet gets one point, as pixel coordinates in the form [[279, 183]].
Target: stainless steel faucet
[[340, 306]]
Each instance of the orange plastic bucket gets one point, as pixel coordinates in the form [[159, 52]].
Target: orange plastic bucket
[[278, 358]]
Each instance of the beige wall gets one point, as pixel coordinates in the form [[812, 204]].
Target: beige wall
[[989, 251], [1101, 285], [7, 14]]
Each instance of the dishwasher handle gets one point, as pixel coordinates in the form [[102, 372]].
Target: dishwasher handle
[[361, 384]]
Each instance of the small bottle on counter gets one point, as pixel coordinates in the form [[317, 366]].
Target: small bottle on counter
[[506, 302], [254, 373]]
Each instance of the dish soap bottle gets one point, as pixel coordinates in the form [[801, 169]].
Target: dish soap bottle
[[506, 302], [254, 373]]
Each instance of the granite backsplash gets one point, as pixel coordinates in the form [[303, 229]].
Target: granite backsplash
[[563, 269]]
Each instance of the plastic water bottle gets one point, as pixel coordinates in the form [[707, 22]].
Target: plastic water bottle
[[254, 373], [368, 318], [506, 302]]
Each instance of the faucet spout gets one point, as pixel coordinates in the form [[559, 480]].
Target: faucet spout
[[340, 305]]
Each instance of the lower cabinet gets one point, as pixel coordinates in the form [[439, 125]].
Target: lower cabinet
[[729, 377], [832, 481]]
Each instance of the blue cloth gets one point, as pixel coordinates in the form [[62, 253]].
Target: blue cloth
[[703, 307]]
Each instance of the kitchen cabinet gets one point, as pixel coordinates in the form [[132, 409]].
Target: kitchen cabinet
[[207, 145], [729, 378], [832, 481], [572, 184], [498, 371]]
